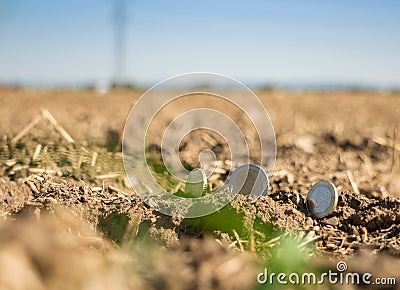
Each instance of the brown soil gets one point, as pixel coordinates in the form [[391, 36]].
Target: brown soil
[[83, 216]]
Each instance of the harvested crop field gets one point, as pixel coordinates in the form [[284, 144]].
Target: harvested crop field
[[69, 219]]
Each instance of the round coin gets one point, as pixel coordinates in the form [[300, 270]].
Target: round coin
[[249, 180], [196, 183], [322, 199]]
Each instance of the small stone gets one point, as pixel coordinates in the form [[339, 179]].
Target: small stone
[[333, 221]]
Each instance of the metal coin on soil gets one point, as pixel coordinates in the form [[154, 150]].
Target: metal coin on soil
[[196, 183], [249, 180], [322, 199]]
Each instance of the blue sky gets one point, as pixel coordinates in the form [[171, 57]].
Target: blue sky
[[282, 41]]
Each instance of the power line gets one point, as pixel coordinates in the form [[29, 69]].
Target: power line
[[120, 41]]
